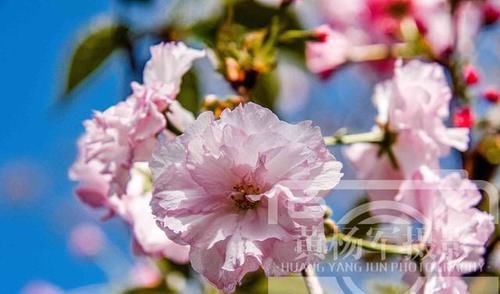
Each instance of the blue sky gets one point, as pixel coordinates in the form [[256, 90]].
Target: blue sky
[[36, 135]]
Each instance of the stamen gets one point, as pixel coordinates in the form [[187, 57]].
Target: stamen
[[239, 196]]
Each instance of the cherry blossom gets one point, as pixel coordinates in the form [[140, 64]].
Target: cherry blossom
[[328, 54], [240, 189], [412, 107], [455, 231]]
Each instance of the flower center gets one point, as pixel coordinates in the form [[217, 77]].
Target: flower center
[[399, 9], [239, 196]]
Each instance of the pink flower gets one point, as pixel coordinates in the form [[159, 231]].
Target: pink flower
[[87, 240], [455, 231], [366, 22], [113, 140], [163, 72], [412, 105], [144, 274], [491, 12], [125, 133], [326, 56], [135, 137], [221, 186], [134, 207], [385, 15], [435, 23], [469, 20]]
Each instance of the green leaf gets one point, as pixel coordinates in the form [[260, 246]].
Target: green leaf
[[253, 15], [266, 90], [92, 51], [190, 92]]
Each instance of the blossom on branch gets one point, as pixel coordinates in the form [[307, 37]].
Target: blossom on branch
[[412, 108], [239, 188], [118, 139], [325, 56], [455, 232]]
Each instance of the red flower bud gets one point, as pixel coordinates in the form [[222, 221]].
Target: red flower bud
[[471, 75], [492, 95], [491, 14], [463, 118], [321, 36]]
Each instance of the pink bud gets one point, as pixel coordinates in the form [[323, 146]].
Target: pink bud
[[321, 36], [490, 13], [144, 274], [492, 95], [471, 75], [463, 117]]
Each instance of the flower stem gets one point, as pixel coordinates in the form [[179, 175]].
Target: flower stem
[[370, 137], [410, 250], [312, 283]]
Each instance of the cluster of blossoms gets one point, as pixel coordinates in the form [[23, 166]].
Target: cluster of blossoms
[[112, 168], [214, 186], [354, 24], [455, 231], [412, 107], [235, 192]]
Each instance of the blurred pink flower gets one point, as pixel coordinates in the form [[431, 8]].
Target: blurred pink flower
[[385, 15], [413, 105], [324, 56], [144, 274], [87, 240], [217, 185], [366, 22], [455, 231], [12, 180], [491, 11], [469, 20], [40, 287]]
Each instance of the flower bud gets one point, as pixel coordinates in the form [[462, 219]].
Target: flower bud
[[492, 95], [463, 118], [490, 13], [471, 76]]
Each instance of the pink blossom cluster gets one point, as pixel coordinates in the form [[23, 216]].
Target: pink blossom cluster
[[118, 141], [242, 191], [353, 23], [455, 231], [412, 109]]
